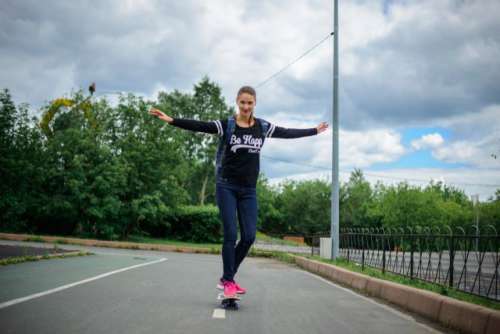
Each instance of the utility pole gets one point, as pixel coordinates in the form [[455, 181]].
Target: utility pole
[[335, 137], [475, 202]]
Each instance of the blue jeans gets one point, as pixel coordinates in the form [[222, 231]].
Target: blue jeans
[[232, 199]]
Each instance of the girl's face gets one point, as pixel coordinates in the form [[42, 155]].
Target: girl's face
[[246, 104]]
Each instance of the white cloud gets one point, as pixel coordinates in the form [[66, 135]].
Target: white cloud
[[478, 137], [460, 151], [478, 125], [357, 150], [484, 183], [365, 148], [432, 140]]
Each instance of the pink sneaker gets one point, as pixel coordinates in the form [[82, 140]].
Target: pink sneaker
[[239, 289], [229, 289]]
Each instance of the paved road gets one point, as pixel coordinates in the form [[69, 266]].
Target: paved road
[[130, 291]]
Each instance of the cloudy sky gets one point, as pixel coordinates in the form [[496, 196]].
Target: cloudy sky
[[419, 80]]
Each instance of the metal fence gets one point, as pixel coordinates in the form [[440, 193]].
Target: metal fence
[[467, 262]]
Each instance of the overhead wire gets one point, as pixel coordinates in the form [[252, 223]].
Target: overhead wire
[[262, 83]]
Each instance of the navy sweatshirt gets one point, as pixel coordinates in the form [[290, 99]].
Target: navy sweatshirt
[[241, 163]]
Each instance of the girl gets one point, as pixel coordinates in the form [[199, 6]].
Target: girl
[[242, 137]]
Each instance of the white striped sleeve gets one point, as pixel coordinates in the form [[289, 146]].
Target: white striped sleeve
[[270, 131], [220, 131]]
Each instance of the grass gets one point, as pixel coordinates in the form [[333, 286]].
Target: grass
[[443, 290], [276, 241], [281, 256], [20, 259]]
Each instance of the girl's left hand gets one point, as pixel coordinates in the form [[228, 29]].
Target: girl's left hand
[[322, 127], [158, 113]]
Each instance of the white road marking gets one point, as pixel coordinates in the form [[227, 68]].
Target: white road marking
[[219, 313], [387, 308], [67, 286]]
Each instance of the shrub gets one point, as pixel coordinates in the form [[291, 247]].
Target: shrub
[[196, 224]]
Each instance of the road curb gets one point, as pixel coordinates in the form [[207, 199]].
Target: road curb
[[66, 254], [452, 313], [104, 243], [43, 257]]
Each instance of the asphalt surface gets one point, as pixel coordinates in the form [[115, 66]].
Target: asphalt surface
[[131, 291]]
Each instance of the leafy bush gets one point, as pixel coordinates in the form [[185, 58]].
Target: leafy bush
[[196, 224]]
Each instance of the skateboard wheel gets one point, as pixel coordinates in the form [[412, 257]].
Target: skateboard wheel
[[229, 304]]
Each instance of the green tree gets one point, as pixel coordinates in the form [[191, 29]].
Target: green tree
[[150, 154], [489, 214], [206, 104], [405, 205], [8, 114], [356, 201], [83, 183], [209, 105], [305, 207], [21, 161], [270, 218]]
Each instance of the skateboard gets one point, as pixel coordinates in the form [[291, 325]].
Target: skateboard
[[228, 303]]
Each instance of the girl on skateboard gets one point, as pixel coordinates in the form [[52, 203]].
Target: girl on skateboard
[[237, 170]]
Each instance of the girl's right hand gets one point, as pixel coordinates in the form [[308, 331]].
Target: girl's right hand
[[158, 113]]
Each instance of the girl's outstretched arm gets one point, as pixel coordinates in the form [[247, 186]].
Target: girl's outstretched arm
[[280, 132], [189, 124]]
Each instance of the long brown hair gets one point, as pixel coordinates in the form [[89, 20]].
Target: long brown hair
[[249, 90]]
